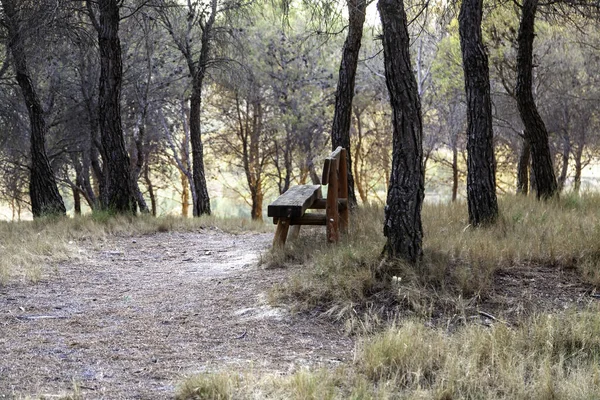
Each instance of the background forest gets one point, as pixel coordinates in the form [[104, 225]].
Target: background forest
[[263, 78]]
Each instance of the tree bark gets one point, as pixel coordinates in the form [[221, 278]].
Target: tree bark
[[523, 169], [340, 135], [564, 169], [535, 129], [481, 171], [402, 224], [120, 196], [454, 172], [150, 187], [578, 169], [43, 190]]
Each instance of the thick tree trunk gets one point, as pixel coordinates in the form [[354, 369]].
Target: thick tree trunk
[[340, 135], [523, 169], [481, 171], [535, 130], [43, 190], [402, 225], [120, 196]]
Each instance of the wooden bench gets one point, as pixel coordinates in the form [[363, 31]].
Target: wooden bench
[[290, 208]]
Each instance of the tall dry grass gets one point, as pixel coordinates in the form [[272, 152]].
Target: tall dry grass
[[545, 357], [31, 249], [458, 258]]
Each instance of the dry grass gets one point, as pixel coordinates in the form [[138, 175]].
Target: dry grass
[[458, 259], [546, 357], [30, 250]]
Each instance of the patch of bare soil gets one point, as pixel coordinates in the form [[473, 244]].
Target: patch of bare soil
[[524, 290], [141, 313]]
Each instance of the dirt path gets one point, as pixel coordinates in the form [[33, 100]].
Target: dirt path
[[143, 312]]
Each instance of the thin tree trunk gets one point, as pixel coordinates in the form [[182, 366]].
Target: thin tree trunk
[[481, 171], [535, 129], [523, 169], [150, 187], [578, 169], [257, 203], [43, 190], [454, 172], [120, 196], [340, 135], [402, 224], [202, 200], [564, 170], [358, 181]]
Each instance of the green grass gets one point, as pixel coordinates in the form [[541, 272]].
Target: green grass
[[31, 249]]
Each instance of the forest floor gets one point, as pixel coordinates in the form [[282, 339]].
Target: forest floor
[[138, 314]]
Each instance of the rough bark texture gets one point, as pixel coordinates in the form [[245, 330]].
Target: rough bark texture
[[43, 191], [535, 129], [340, 135], [481, 171], [523, 169], [402, 225], [120, 196]]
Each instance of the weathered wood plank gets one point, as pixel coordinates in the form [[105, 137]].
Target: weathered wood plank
[[294, 202], [310, 219], [328, 162], [335, 155], [326, 168], [321, 204], [331, 210], [281, 232]]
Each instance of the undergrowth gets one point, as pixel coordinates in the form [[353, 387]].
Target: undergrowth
[[459, 260], [29, 249], [545, 357]]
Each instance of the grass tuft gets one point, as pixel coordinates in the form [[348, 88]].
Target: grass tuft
[[207, 387]]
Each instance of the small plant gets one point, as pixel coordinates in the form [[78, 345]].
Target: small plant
[[207, 387]]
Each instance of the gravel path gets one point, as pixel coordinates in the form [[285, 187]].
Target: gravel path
[[143, 312]]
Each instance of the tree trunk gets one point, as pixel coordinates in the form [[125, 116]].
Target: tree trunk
[[76, 200], [202, 200], [185, 195], [120, 196], [402, 224], [535, 130], [340, 135], [150, 187], [564, 169], [578, 169], [481, 171], [43, 190], [257, 203], [523, 169], [454, 172], [358, 160]]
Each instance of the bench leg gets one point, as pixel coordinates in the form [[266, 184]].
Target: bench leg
[[294, 232], [281, 232]]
